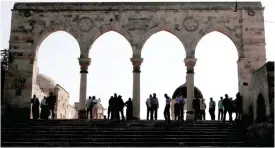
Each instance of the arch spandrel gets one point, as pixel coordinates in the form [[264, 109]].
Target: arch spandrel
[[45, 32], [168, 28], [222, 29]]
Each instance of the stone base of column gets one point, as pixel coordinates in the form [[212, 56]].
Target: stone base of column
[[190, 116], [82, 114]]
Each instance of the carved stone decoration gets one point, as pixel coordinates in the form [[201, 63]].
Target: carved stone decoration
[[85, 24], [190, 24]]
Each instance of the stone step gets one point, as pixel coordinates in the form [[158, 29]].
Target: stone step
[[125, 132], [81, 135], [118, 139], [113, 122], [76, 128], [135, 144]]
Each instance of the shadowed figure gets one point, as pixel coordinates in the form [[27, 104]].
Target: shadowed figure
[[167, 108], [149, 107], [51, 101], [120, 104], [44, 109], [221, 108], [111, 108], [115, 107], [35, 107], [196, 107], [129, 110], [155, 106], [239, 106], [202, 109], [89, 106], [228, 105], [212, 108], [177, 108]]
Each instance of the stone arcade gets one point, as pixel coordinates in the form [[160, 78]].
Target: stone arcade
[[32, 22]]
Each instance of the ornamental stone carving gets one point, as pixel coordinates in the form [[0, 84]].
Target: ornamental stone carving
[[190, 24], [85, 24], [136, 64], [190, 64]]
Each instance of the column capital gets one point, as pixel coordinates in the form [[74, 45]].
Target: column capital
[[136, 64], [190, 64], [84, 64]]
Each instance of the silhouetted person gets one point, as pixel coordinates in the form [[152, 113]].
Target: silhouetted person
[[129, 110], [220, 107], [181, 107], [44, 109], [93, 104], [35, 107], [51, 100], [202, 109], [177, 108], [239, 106], [227, 104], [89, 107], [121, 107], [149, 107], [111, 108], [212, 108], [155, 106], [116, 107], [167, 108], [196, 107]]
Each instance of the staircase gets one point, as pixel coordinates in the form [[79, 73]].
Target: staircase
[[57, 133]]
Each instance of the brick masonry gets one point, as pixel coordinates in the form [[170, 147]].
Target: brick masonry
[[32, 22]]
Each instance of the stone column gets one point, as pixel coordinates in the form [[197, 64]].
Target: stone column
[[136, 86], [190, 64], [84, 64]]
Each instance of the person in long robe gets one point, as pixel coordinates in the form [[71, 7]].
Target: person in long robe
[[35, 107], [129, 110], [45, 112]]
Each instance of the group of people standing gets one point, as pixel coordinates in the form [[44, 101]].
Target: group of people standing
[[116, 107], [224, 105], [47, 106]]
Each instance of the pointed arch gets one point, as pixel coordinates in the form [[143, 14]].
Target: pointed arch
[[44, 33], [108, 28], [224, 30], [156, 29]]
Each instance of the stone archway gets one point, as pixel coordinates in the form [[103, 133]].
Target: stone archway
[[261, 108], [136, 21]]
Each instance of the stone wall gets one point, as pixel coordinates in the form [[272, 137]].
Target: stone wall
[[263, 82], [62, 102], [71, 111], [32, 22]]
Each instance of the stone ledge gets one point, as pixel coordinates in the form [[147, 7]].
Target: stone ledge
[[109, 6]]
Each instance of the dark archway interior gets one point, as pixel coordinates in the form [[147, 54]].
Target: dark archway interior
[[183, 91], [261, 112]]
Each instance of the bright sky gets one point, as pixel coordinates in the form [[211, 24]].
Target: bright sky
[[162, 71]]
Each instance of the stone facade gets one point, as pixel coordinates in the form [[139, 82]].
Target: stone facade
[[71, 111], [62, 103], [32, 22], [263, 83]]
